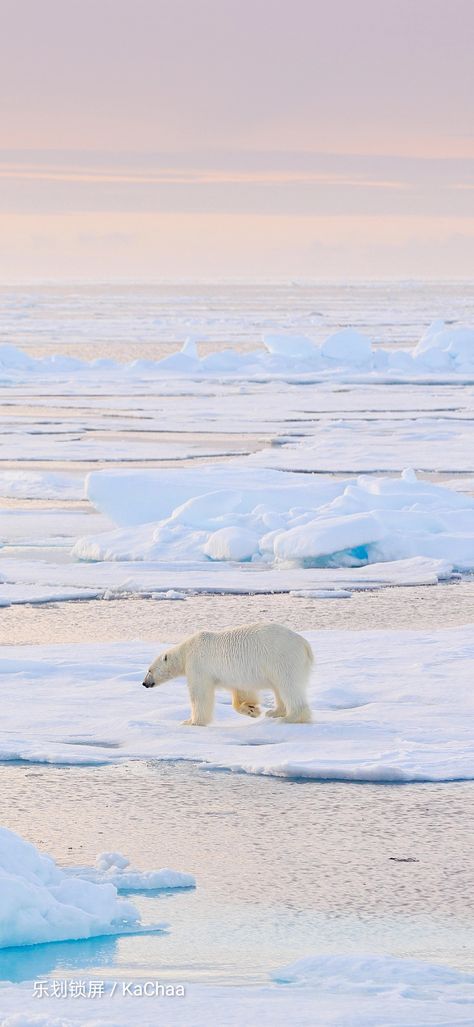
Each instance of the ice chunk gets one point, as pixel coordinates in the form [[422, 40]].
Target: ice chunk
[[114, 868], [231, 544], [321, 593], [328, 536], [348, 346], [40, 902], [291, 346], [443, 345]]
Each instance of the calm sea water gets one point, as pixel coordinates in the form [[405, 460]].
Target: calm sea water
[[283, 868]]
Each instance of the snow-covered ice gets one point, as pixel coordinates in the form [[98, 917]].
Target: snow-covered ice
[[444, 350], [50, 527], [41, 902], [323, 990], [41, 485], [387, 706], [235, 515], [382, 443], [27, 581]]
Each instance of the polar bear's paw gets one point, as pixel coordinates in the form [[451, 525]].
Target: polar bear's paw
[[192, 723], [276, 712], [249, 709]]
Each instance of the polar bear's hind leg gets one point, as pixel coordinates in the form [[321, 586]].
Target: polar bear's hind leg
[[280, 709], [245, 703], [290, 691], [301, 716]]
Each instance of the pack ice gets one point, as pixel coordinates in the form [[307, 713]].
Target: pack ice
[[444, 349]]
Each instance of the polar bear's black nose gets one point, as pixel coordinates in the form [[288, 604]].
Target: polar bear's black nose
[[147, 684]]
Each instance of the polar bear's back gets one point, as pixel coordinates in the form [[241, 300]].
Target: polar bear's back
[[250, 653]]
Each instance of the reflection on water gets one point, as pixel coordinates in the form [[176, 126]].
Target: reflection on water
[[32, 961], [283, 868]]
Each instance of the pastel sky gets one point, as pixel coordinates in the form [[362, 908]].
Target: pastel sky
[[236, 138]]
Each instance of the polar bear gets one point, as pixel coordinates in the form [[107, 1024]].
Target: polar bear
[[244, 660]]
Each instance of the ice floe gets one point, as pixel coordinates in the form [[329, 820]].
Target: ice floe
[[387, 706], [235, 515], [41, 902], [114, 868], [26, 581]]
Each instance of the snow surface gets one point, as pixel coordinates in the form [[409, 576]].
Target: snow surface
[[320, 991], [47, 527], [27, 581], [387, 706], [40, 485], [278, 518], [40, 902], [376, 444], [444, 350]]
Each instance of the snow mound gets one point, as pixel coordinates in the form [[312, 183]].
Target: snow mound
[[348, 347], [290, 346], [280, 518], [113, 868], [231, 543], [40, 902], [381, 974], [447, 347]]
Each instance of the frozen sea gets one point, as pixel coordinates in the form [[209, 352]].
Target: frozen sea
[[286, 867]]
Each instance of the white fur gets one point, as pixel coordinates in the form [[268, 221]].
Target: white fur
[[245, 660]]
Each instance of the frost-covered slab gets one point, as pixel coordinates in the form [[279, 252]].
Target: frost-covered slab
[[376, 444], [37, 595], [61, 447], [47, 527], [24, 581], [40, 902], [320, 991], [41, 485], [387, 706]]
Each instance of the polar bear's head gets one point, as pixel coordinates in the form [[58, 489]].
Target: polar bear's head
[[165, 666]]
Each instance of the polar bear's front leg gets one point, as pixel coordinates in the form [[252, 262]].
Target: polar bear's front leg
[[202, 702], [245, 703]]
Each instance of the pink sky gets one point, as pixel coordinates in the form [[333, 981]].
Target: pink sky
[[148, 139]]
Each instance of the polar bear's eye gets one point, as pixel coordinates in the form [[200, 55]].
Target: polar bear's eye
[[165, 658]]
